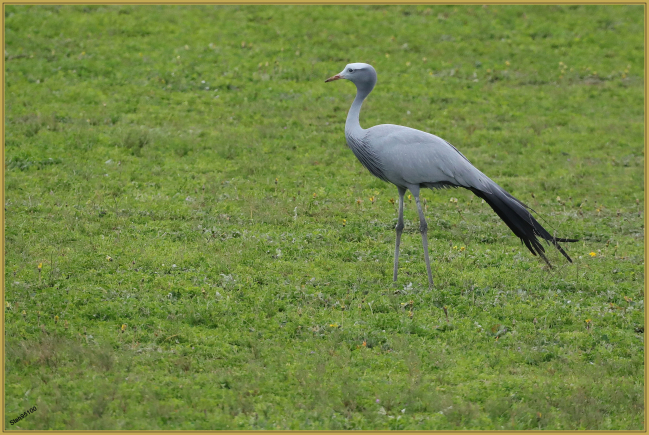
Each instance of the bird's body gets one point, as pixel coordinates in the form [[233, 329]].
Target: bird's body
[[405, 156], [412, 159]]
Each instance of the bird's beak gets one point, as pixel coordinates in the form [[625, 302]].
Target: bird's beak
[[331, 79]]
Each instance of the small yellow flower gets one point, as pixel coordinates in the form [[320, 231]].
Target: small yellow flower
[[372, 199], [387, 55], [123, 327], [592, 254], [407, 63], [40, 266], [454, 247], [109, 258], [507, 63], [56, 319], [24, 313], [462, 248], [314, 194], [344, 222], [391, 201]]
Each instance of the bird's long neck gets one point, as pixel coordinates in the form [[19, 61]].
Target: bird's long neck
[[353, 127]]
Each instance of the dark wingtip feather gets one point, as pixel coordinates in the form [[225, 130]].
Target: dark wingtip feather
[[517, 217], [566, 240]]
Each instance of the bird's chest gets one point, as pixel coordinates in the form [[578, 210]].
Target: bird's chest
[[367, 156]]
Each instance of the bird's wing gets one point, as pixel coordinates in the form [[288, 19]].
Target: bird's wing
[[410, 156]]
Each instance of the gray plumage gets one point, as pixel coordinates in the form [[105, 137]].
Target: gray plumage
[[412, 159]]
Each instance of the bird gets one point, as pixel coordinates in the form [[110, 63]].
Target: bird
[[413, 159]]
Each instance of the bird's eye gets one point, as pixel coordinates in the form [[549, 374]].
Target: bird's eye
[[350, 70]]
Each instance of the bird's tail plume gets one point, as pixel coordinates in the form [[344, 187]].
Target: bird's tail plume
[[518, 218]]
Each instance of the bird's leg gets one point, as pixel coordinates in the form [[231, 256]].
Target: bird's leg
[[399, 229], [423, 227]]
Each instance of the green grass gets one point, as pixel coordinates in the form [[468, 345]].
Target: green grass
[[209, 222]]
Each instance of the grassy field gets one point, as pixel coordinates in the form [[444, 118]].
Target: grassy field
[[189, 244]]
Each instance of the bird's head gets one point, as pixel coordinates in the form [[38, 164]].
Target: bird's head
[[361, 74]]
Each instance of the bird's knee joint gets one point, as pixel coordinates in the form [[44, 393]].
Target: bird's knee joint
[[423, 227], [400, 226]]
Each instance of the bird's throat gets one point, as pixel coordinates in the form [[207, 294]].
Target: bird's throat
[[353, 127]]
